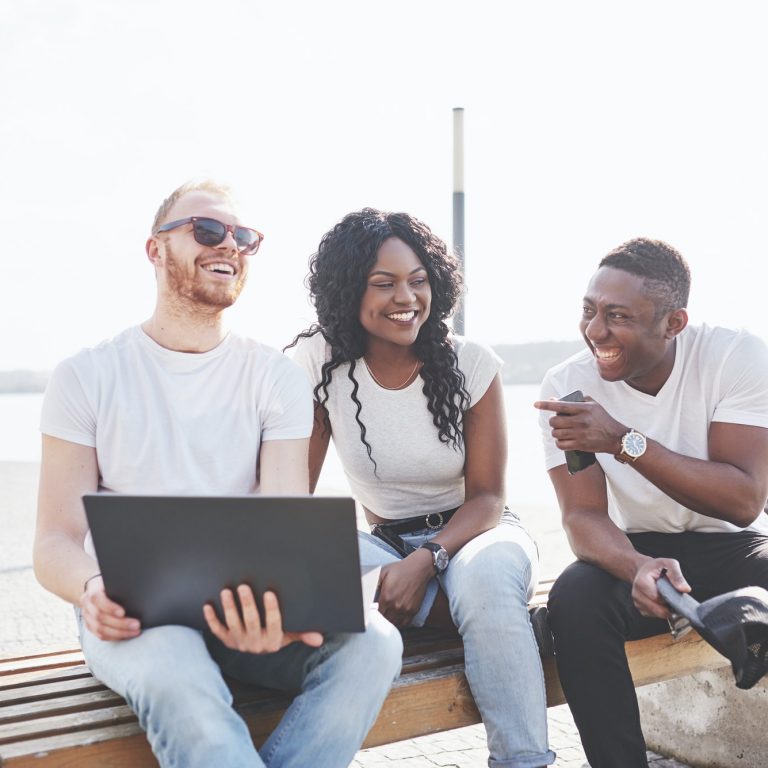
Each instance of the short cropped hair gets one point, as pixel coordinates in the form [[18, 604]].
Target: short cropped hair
[[203, 185], [665, 272]]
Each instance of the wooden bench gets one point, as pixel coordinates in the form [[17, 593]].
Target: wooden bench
[[54, 713]]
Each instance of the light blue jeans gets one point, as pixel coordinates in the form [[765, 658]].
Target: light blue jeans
[[173, 682], [488, 583]]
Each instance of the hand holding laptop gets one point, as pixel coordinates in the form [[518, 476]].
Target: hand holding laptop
[[104, 617], [242, 629]]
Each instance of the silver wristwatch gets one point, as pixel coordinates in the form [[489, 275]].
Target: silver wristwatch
[[440, 557]]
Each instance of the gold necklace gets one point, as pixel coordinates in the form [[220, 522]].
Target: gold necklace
[[384, 386]]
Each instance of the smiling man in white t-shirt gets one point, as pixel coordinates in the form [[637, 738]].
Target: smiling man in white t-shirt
[[179, 405], [677, 416]]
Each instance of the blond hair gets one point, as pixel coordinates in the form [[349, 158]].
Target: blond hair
[[203, 185]]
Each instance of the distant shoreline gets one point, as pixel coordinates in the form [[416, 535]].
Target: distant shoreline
[[23, 382], [523, 364]]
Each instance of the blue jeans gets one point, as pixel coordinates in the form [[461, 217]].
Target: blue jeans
[[488, 583], [174, 684]]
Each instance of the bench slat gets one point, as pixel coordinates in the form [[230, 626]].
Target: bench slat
[[119, 746], [32, 677], [63, 686], [66, 723], [65, 658], [61, 704]]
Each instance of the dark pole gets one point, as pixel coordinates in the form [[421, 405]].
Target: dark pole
[[458, 208]]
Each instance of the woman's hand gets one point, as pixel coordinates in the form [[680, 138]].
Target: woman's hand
[[402, 586], [243, 630]]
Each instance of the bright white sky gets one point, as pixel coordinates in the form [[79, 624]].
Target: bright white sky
[[586, 123]]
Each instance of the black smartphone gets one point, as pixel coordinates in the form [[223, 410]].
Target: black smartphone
[[577, 460], [401, 547]]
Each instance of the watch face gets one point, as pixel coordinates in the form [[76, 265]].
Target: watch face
[[634, 444], [441, 560]]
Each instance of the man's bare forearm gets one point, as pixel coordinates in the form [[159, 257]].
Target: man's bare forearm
[[62, 565], [712, 488], [594, 538]]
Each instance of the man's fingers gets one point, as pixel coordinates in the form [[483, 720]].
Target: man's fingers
[[105, 618], [649, 605], [313, 639], [104, 632], [231, 612], [654, 610], [212, 620], [561, 406], [273, 620], [242, 627], [122, 624], [645, 591], [97, 598], [108, 627], [675, 576], [251, 617]]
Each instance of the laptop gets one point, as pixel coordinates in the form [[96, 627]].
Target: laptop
[[163, 557]]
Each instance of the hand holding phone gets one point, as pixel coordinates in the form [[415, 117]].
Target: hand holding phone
[[577, 460]]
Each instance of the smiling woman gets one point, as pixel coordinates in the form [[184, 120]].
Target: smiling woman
[[417, 419], [395, 306]]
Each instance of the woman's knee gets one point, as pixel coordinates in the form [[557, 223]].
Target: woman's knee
[[502, 571]]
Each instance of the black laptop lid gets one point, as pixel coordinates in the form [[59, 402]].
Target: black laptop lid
[[163, 557]]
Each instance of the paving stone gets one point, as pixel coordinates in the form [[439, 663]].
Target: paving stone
[[415, 762], [472, 758]]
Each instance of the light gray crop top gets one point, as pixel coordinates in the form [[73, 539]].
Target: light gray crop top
[[417, 474]]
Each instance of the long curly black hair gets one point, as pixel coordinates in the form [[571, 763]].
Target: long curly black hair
[[337, 280]]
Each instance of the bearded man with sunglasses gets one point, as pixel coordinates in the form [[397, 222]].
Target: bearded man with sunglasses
[[178, 405]]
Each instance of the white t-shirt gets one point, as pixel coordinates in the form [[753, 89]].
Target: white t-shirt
[[170, 422], [417, 473], [719, 375]]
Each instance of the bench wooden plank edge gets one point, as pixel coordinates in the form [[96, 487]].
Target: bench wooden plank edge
[[421, 702]]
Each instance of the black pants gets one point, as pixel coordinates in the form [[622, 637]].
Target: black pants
[[591, 614]]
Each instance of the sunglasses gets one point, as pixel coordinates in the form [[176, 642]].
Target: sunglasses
[[212, 232]]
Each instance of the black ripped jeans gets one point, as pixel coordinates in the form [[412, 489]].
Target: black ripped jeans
[[591, 614]]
